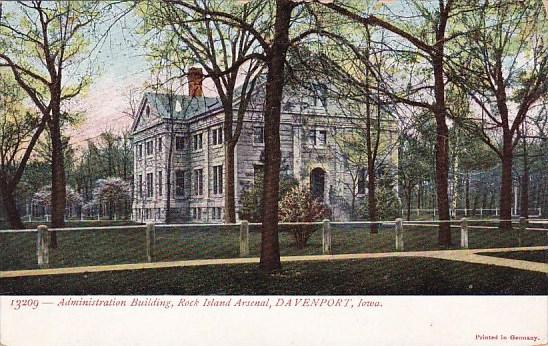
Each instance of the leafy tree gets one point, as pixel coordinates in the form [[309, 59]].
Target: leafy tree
[[20, 129], [184, 38], [503, 67], [43, 43], [112, 191], [389, 206], [428, 32], [251, 198], [272, 48]]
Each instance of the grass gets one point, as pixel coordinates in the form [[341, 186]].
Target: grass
[[386, 276], [95, 247], [532, 256]]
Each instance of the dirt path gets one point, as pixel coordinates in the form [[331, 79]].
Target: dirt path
[[470, 256]]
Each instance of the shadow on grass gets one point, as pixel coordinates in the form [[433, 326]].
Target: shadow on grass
[[386, 276]]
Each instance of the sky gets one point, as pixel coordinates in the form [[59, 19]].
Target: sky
[[123, 67]]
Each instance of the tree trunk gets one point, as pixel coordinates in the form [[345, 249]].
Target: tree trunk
[[10, 205], [442, 153], [58, 184], [409, 192], [230, 196], [506, 184], [467, 192], [524, 211], [419, 196], [270, 248], [372, 199]]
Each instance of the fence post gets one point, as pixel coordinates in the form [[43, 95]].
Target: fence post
[[464, 233], [244, 238], [522, 228], [326, 237], [150, 239], [399, 234], [42, 246]]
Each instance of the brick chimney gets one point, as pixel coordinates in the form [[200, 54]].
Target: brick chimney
[[195, 78]]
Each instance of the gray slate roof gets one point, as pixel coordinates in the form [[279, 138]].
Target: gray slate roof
[[184, 107]]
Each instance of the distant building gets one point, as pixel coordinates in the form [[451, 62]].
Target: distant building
[[310, 126]]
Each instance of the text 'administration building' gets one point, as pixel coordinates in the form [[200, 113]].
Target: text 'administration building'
[[311, 131]]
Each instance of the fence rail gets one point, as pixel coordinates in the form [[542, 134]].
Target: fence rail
[[465, 225]]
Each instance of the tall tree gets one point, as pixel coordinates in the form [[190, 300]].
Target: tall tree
[[272, 50], [429, 39], [20, 129], [46, 43], [219, 48], [503, 67]]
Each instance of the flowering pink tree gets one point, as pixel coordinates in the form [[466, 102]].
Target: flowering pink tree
[[43, 197], [297, 205]]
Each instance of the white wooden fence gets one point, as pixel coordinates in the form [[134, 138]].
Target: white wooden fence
[[481, 212], [43, 232]]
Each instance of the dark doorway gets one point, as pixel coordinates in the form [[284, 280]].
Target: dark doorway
[[317, 183]]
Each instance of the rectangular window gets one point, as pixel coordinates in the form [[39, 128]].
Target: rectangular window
[[150, 185], [179, 143], [160, 145], [179, 183], [140, 151], [160, 184], [149, 147], [258, 135], [197, 139], [321, 138], [218, 179], [217, 136], [317, 138], [198, 186], [140, 186], [197, 213]]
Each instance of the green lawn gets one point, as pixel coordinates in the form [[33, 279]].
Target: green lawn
[[386, 276], [93, 247]]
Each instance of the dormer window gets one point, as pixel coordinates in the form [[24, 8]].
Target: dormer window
[[320, 94], [147, 111]]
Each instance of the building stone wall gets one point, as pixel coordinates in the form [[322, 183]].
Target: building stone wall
[[299, 159]]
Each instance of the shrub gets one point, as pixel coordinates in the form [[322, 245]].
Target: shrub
[[298, 206], [252, 198]]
